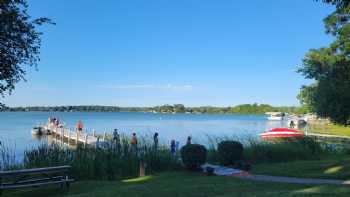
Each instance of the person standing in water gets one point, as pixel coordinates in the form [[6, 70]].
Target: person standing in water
[[173, 147], [133, 142], [155, 140], [189, 140]]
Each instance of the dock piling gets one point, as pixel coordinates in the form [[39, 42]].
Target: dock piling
[[86, 138]]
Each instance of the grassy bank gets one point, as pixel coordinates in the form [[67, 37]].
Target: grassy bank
[[334, 167], [103, 172], [183, 184], [329, 128], [123, 161]]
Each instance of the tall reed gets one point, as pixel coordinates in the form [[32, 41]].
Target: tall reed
[[256, 151], [113, 161], [7, 157]]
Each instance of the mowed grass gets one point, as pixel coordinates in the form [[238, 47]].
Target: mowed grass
[[183, 184], [336, 167], [330, 129]]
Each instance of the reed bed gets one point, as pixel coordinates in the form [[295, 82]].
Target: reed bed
[[256, 151], [7, 157], [113, 161]]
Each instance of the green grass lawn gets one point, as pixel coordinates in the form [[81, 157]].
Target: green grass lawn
[[337, 167], [183, 184], [330, 129]]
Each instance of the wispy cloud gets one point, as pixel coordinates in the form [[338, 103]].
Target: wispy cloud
[[147, 87]]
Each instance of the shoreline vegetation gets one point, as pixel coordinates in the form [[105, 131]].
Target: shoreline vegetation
[[121, 161], [302, 157], [176, 108]]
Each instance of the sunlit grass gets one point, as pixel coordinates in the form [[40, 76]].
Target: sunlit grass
[[334, 169], [139, 179], [330, 129]]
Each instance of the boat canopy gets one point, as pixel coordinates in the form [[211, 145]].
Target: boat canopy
[[274, 113]]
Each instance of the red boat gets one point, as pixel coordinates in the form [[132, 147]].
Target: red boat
[[282, 133]]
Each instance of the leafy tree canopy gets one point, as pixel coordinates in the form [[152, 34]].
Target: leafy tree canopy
[[329, 95], [19, 42]]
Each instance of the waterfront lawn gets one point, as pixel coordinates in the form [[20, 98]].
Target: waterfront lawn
[[335, 167], [330, 129], [183, 184]]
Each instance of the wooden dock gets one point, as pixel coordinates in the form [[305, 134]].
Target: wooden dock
[[72, 136]]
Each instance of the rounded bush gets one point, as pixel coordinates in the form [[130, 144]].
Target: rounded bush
[[230, 152], [193, 156]]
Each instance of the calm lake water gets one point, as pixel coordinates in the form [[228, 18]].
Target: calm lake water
[[15, 127]]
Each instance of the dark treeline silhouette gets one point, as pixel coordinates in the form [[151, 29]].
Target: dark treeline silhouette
[[177, 108]]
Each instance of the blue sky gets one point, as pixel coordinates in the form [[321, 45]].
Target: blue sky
[[153, 52]]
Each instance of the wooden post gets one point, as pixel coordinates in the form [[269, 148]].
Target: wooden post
[[77, 138], [62, 135], [97, 141], [104, 136], [68, 136], [85, 142], [142, 168]]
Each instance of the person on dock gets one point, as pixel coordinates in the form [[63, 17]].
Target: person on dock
[[173, 147], [155, 140], [79, 126], [133, 142], [57, 122], [189, 140]]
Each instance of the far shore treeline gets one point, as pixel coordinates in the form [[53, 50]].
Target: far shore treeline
[[176, 108]]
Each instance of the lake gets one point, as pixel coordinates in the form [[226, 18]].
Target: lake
[[15, 127]]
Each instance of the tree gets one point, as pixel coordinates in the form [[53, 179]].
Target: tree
[[179, 108], [329, 67], [19, 42]]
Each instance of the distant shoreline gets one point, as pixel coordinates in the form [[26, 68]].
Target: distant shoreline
[[166, 109]]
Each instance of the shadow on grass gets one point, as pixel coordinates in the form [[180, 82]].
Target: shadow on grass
[[183, 184]]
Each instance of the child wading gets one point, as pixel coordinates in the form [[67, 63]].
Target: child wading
[[189, 140], [173, 147], [133, 142], [155, 140]]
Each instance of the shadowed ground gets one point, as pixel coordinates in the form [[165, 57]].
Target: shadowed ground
[[183, 184]]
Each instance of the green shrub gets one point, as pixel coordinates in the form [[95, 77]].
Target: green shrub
[[193, 156], [230, 152]]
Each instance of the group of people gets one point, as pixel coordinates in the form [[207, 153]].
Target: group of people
[[174, 145], [54, 121]]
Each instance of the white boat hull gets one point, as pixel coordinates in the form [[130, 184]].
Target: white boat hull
[[274, 118]]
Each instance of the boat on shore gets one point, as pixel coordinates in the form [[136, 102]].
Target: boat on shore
[[276, 133], [275, 116]]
